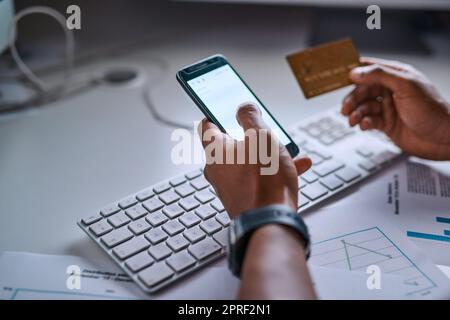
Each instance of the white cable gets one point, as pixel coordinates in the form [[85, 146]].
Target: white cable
[[48, 92], [69, 50]]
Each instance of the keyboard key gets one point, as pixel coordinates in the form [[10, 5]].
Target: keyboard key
[[116, 237], [156, 218], [189, 219], [301, 183], [217, 204], [331, 182], [223, 218], [367, 165], [193, 174], [383, 157], [314, 191], [314, 131], [364, 151], [328, 167], [204, 249], [160, 251], [189, 203], [173, 211], [309, 176], [194, 234], [222, 237], [181, 261], [155, 274], [173, 227], [177, 243], [347, 132], [136, 212], [204, 196], [139, 226], [348, 174], [210, 226], [119, 219], [177, 181], [109, 210], [326, 139], [131, 247], [200, 183], [100, 228], [325, 155], [184, 190], [91, 219], [153, 204], [327, 119], [205, 212], [144, 195], [302, 200], [338, 134], [315, 158], [169, 197], [326, 123], [156, 235], [139, 261], [128, 202], [162, 187]]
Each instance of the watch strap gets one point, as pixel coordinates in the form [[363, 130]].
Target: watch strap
[[248, 222]]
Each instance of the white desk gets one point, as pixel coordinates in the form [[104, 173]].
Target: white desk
[[65, 160]]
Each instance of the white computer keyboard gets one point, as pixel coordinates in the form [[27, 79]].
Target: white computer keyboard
[[177, 226]]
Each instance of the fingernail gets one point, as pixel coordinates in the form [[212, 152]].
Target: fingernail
[[357, 72], [347, 100]]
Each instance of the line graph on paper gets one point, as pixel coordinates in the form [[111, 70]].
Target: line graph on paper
[[360, 249]]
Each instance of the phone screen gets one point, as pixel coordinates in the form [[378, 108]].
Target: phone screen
[[222, 91]]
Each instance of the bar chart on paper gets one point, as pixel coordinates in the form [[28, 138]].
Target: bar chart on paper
[[444, 237], [359, 249]]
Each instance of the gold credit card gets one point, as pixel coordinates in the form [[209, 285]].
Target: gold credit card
[[324, 68]]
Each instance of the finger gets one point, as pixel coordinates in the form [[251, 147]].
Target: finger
[[207, 130], [302, 164], [206, 173], [360, 94], [380, 75], [372, 122], [249, 117], [205, 124], [350, 101], [389, 112], [372, 107], [397, 65]]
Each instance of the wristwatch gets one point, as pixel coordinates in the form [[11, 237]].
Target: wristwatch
[[242, 228]]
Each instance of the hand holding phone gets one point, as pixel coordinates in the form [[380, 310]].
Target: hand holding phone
[[218, 90], [244, 187]]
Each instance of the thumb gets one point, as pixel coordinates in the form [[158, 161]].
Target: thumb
[[376, 74], [207, 131], [249, 117], [302, 164]]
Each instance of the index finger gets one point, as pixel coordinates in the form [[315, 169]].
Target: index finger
[[397, 65]]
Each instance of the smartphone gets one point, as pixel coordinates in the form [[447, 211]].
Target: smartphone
[[218, 90]]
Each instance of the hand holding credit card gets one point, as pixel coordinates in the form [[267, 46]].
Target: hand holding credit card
[[324, 68]]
